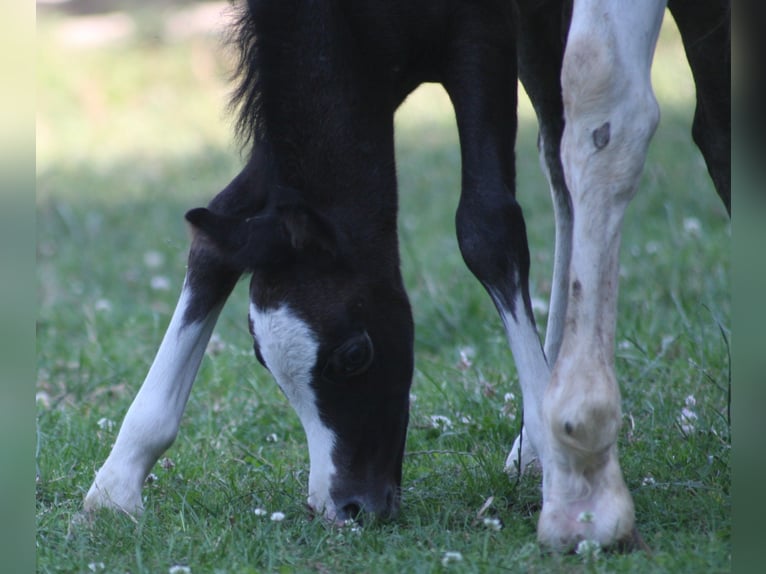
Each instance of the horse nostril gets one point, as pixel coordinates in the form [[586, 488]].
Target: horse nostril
[[383, 505], [351, 511]]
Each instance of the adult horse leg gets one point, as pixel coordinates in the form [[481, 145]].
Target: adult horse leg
[[610, 114], [481, 82], [542, 34], [706, 33], [151, 423]]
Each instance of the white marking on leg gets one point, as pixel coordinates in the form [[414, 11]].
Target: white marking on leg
[[610, 114], [289, 348], [521, 455], [533, 374], [151, 423]]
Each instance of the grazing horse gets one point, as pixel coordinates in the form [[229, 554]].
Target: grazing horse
[[313, 217]]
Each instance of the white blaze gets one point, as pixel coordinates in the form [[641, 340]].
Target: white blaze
[[289, 349]]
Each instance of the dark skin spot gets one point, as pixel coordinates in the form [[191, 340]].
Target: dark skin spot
[[601, 136], [576, 290]]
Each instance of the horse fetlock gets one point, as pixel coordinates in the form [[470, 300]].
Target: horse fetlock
[[584, 494], [115, 489]]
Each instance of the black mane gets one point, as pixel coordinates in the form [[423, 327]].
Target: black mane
[[245, 100]]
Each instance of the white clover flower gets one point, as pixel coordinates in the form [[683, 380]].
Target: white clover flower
[[648, 481], [260, 512], [586, 517], [272, 437], [440, 422], [277, 516], [692, 226], [450, 557], [589, 549], [653, 247], [688, 417], [160, 283], [43, 399], [105, 424], [151, 478], [509, 406], [466, 358], [179, 569], [153, 259], [666, 341], [353, 526], [215, 345], [493, 523], [96, 566]]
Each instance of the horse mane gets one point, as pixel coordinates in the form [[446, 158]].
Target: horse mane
[[245, 101]]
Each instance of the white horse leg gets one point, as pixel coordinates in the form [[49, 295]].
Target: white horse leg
[[610, 114], [522, 453], [151, 423]]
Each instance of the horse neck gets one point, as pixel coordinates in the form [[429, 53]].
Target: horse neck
[[328, 117]]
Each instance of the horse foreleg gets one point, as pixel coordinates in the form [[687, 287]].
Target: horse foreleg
[[152, 421], [705, 29], [610, 115], [490, 224], [541, 37]]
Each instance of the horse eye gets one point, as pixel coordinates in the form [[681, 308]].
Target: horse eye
[[350, 359]]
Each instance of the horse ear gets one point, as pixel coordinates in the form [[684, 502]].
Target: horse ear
[[264, 240], [245, 244], [308, 231]]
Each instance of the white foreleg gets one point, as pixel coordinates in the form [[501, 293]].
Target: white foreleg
[[534, 373], [151, 423], [610, 114], [522, 453]]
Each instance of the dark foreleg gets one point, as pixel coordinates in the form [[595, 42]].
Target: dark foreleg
[[542, 36], [706, 34], [490, 225]]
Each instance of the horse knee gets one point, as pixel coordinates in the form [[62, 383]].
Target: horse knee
[[611, 115]]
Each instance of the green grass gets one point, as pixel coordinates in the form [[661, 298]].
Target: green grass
[[133, 134]]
